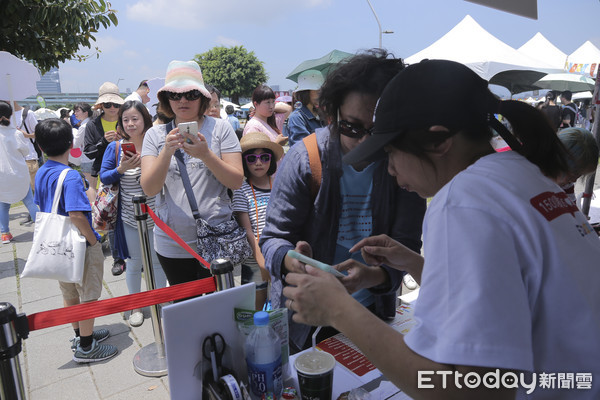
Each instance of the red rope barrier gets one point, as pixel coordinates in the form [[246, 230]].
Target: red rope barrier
[[80, 312], [173, 235]]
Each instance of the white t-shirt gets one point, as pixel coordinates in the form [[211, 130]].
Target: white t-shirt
[[14, 174], [172, 205], [511, 277], [78, 139], [30, 122]]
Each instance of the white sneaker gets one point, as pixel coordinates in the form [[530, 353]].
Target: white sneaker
[[136, 319], [409, 282]]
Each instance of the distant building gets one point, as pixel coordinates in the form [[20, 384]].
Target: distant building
[[50, 82]]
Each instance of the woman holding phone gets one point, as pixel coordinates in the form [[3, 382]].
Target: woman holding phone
[[133, 122], [212, 154]]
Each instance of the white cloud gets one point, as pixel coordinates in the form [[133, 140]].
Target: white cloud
[[108, 44], [194, 15], [227, 42]]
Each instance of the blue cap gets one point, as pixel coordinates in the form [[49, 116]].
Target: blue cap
[[261, 318]]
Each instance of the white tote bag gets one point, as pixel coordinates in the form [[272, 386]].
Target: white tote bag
[[58, 250]]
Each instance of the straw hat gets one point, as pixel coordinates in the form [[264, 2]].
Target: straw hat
[[109, 93], [259, 140], [184, 76], [310, 80]]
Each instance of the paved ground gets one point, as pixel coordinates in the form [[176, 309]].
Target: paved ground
[[46, 360]]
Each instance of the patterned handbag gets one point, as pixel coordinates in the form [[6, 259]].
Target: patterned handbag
[[225, 240], [106, 206]]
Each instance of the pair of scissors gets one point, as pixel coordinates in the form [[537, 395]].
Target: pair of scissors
[[213, 349]]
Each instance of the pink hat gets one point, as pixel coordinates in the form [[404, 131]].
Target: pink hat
[[184, 76]]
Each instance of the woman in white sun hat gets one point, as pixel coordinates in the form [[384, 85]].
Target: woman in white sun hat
[[213, 159], [305, 120]]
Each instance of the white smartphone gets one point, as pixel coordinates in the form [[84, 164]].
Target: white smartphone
[[188, 129], [314, 263]]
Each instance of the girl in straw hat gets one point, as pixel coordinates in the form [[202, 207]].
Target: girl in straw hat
[[260, 156]]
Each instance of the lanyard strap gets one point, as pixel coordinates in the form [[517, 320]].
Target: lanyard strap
[[256, 205]]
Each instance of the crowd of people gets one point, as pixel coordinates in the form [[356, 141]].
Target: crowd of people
[[501, 238]]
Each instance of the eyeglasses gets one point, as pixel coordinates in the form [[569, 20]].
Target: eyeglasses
[[190, 96], [352, 130], [110, 105], [252, 158]]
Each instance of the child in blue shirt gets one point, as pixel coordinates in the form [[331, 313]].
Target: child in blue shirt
[[55, 138]]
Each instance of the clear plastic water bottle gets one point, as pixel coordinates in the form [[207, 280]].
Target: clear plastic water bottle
[[263, 358]]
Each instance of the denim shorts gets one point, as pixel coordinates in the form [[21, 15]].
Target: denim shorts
[[86, 167], [251, 273]]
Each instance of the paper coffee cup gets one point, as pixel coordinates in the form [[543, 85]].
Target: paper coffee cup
[[315, 375]]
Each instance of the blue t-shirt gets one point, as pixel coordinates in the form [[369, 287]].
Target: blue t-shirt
[[73, 197], [356, 220]]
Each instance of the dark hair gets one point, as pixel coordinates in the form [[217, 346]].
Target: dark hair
[[272, 163], [261, 93], [54, 136], [368, 72], [229, 109], [303, 97], [550, 95], [164, 107], [211, 89], [141, 109], [64, 112], [567, 94], [84, 107], [143, 84], [5, 113]]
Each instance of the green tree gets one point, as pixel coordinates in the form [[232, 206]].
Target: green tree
[[49, 32], [234, 71]]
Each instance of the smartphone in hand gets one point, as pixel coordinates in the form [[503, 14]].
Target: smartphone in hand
[[318, 264], [188, 129], [128, 147]]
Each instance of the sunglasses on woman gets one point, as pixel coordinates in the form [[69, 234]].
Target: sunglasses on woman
[[252, 158], [190, 96], [110, 105], [352, 130]]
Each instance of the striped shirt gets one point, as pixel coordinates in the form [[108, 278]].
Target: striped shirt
[[129, 187], [244, 201]]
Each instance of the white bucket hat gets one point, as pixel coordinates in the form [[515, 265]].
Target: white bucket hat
[[109, 93], [310, 80]]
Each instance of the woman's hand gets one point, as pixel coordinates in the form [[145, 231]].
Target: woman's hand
[[314, 296], [282, 140], [382, 249], [129, 161], [360, 276], [199, 146], [111, 136], [173, 141], [293, 265]]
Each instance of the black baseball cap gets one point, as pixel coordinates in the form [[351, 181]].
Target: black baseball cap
[[432, 92]]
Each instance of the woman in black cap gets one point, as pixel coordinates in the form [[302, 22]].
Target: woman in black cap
[[507, 254]]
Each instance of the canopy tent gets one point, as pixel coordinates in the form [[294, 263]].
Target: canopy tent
[[468, 43], [584, 60], [542, 49]]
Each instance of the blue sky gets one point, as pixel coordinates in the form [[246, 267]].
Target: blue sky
[[284, 33]]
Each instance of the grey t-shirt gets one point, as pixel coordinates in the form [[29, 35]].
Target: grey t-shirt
[[172, 205]]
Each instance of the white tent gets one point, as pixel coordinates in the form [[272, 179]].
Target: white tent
[[542, 49], [468, 43], [584, 60]]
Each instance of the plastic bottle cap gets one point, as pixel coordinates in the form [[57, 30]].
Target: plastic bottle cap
[[261, 318]]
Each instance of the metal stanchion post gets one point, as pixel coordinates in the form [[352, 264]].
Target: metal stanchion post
[[13, 328], [150, 360], [222, 270]]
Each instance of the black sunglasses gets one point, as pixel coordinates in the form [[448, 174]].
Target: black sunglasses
[[353, 131], [252, 158], [110, 105], [190, 96]]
